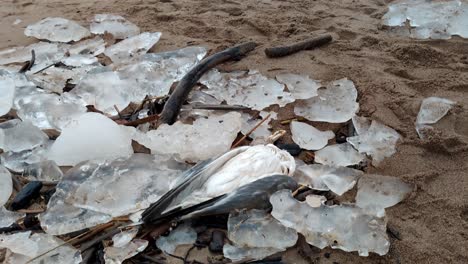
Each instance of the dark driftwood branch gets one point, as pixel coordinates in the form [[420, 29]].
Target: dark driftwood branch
[[28, 65], [174, 103], [305, 45]]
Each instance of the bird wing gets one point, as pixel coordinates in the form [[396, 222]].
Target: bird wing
[[191, 180]]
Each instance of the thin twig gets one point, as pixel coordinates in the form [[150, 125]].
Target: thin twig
[[305, 45], [31, 211], [28, 65], [188, 253], [144, 120], [92, 233], [250, 132], [98, 239], [220, 107]]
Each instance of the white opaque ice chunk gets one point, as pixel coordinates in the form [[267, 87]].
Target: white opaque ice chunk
[[93, 192], [116, 25], [322, 177], [116, 255], [257, 229], [57, 29], [377, 192], [132, 47], [6, 185], [46, 170], [7, 218], [308, 137], [90, 136], [431, 111], [428, 19], [378, 141], [182, 235], [205, 138], [339, 155], [334, 104], [22, 247], [17, 136], [300, 86], [250, 89], [346, 227]]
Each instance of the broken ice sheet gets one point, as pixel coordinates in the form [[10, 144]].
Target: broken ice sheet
[[7, 218], [182, 235], [300, 86], [7, 93], [17, 136], [94, 46], [57, 29], [93, 192], [204, 139], [257, 233], [377, 192], [45, 170], [250, 89], [334, 104], [156, 72], [116, 25], [132, 47], [47, 110], [116, 255], [428, 19], [346, 227], [90, 136], [46, 54], [378, 141], [431, 111], [54, 79], [124, 237], [79, 60], [308, 137], [339, 155], [18, 161], [22, 247], [6, 185], [322, 177]]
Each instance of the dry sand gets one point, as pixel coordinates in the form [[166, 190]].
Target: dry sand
[[392, 76]]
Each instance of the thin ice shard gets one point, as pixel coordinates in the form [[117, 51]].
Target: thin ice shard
[[182, 235], [377, 192], [346, 227], [22, 247], [156, 72], [116, 25], [47, 110], [132, 47], [428, 19], [92, 192], [256, 232], [250, 89], [322, 177], [7, 93], [124, 237], [300, 86], [94, 46], [46, 170], [7, 218], [339, 155], [334, 104], [378, 141], [17, 136], [79, 60], [6, 185], [57, 29], [308, 137], [54, 79], [431, 111], [106, 89], [204, 139], [18, 161], [90, 136], [116, 255]]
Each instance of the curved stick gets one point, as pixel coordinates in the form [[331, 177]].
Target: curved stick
[[305, 45], [174, 103]]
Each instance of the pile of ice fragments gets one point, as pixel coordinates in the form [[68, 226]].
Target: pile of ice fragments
[[68, 107]]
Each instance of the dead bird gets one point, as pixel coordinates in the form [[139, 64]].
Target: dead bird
[[255, 195], [214, 178]]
